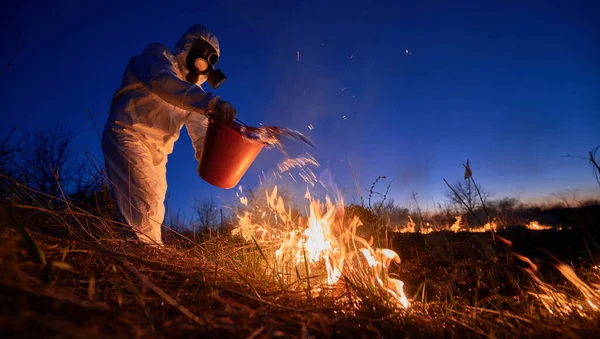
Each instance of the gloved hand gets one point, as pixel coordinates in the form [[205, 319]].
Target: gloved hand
[[225, 113]]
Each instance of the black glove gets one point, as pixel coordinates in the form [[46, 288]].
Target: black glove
[[225, 112]]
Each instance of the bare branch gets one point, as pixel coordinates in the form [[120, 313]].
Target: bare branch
[[20, 42], [593, 161], [463, 202], [371, 191]]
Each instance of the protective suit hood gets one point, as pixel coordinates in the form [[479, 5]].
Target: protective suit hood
[[185, 43]]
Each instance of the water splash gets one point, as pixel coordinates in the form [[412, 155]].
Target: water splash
[[274, 137]]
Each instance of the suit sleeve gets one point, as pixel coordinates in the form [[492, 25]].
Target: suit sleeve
[[154, 69], [196, 125]]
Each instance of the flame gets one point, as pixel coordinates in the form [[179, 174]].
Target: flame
[[489, 226], [535, 226], [456, 227], [559, 303], [592, 296], [410, 226], [323, 246]]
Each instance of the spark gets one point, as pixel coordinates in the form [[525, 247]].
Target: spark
[[298, 56], [311, 127]]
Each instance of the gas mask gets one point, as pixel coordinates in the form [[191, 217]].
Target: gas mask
[[201, 61]]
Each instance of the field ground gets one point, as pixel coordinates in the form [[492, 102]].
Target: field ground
[[70, 275]]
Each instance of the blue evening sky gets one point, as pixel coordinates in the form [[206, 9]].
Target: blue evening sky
[[510, 85]]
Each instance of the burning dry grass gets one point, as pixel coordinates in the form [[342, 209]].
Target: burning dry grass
[[322, 248], [68, 272], [458, 226], [70, 285]]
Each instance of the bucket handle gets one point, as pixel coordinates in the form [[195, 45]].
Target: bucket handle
[[210, 113]]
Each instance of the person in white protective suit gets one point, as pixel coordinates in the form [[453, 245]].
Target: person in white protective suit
[[159, 93]]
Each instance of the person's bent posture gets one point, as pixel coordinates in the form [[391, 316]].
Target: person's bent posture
[[159, 93]]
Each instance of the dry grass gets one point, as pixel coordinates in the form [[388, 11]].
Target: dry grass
[[67, 272], [63, 273]]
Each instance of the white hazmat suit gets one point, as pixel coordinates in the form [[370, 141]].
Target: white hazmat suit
[[146, 115]]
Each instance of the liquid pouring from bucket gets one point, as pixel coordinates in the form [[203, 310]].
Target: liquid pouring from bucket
[[230, 149]]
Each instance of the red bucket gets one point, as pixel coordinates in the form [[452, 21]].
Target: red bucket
[[227, 154]]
